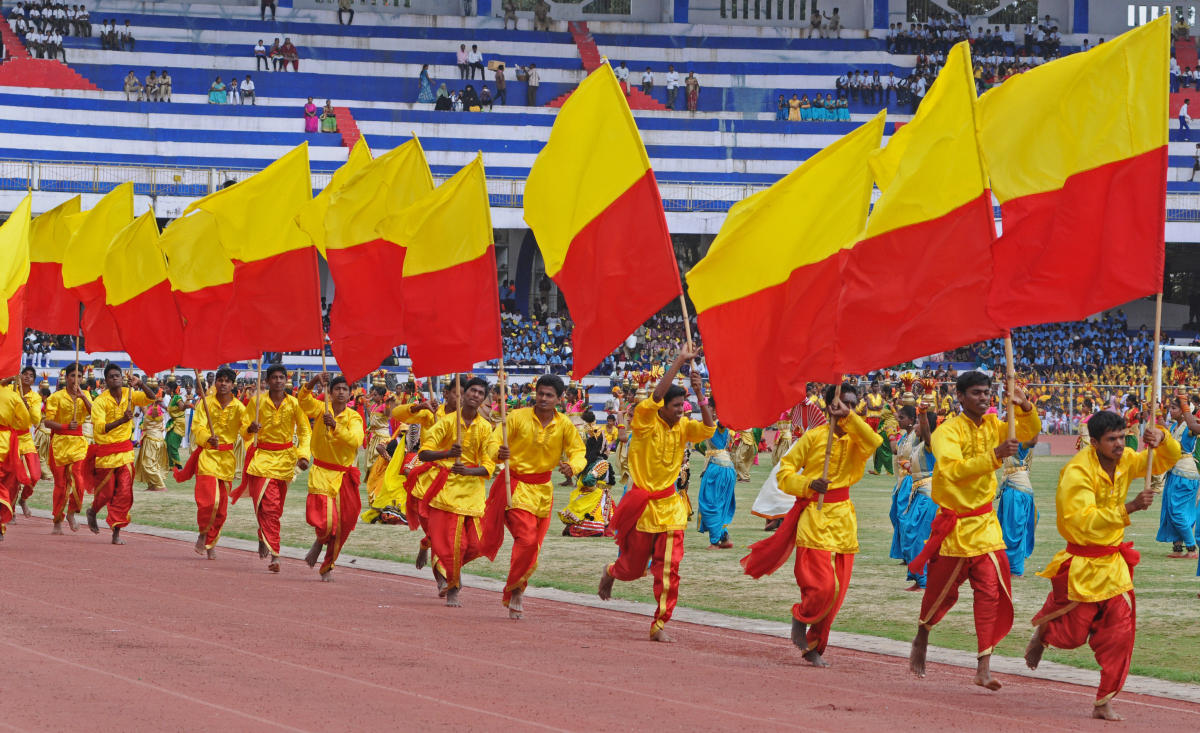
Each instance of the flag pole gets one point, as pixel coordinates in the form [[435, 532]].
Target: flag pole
[[458, 415], [1155, 386], [258, 397], [1010, 383], [837, 397], [78, 328], [504, 430], [687, 325], [203, 395]]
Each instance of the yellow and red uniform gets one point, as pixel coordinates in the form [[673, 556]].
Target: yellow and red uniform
[[966, 541], [14, 420], [651, 517], [216, 466], [68, 449], [456, 502], [283, 436], [1091, 598], [419, 476], [27, 448], [872, 409], [333, 479], [114, 453], [536, 450]]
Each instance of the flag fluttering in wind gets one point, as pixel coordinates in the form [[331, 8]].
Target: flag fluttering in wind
[[14, 275], [84, 258], [50, 307]]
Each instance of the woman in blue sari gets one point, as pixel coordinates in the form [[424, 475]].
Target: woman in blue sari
[[718, 479], [916, 515], [216, 92], [781, 109], [906, 418], [843, 109], [1016, 510], [1177, 522], [806, 112], [425, 86]]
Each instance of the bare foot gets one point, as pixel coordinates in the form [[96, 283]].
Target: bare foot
[[1177, 555], [199, 546], [916, 657], [514, 604], [1034, 649], [815, 659], [983, 674], [327, 576], [25, 509], [57, 528], [273, 566], [799, 629], [606, 585], [914, 588], [441, 582], [116, 537], [661, 635], [714, 547], [71, 522], [1105, 712], [422, 557], [212, 553], [314, 552], [91, 520], [263, 552], [452, 599], [726, 544]]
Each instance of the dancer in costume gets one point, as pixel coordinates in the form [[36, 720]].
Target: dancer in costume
[[590, 507], [917, 510], [152, 465], [1177, 520], [718, 481], [1015, 507]]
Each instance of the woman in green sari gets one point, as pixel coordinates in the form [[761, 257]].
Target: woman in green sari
[[328, 118]]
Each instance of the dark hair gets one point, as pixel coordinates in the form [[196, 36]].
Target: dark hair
[[172, 385], [29, 369], [1103, 422], [379, 389], [672, 392], [910, 412], [973, 378], [226, 373], [111, 367], [552, 381], [276, 368], [589, 417], [339, 379], [846, 387], [476, 382]]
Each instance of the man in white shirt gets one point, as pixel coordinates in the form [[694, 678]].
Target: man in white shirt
[[54, 43], [647, 81], [1185, 120], [1174, 75], [532, 81], [672, 86], [247, 89], [474, 61], [622, 73], [260, 56]]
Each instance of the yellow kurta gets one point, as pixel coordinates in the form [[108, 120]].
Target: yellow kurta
[[426, 419], [227, 424], [286, 423], [177, 411], [377, 429], [1091, 511], [835, 527], [462, 494], [13, 416], [536, 450], [59, 408], [107, 409], [655, 458], [964, 477], [151, 467], [338, 446], [34, 401]]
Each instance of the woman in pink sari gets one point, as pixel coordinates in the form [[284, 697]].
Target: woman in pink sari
[[311, 116]]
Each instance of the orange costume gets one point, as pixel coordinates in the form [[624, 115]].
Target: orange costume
[[113, 453], [283, 436], [214, 468], [966, 541], [650, 520], [14, 420], [68, 449], [1091, 597], [333, 481]]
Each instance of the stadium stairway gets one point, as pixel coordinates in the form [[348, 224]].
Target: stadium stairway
[[589, 54], [22, 70], [347, 126]]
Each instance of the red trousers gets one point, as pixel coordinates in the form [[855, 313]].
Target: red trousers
[[68, 488], [528, 533], [990, 580], [212, 506], [1108, 627], [333, 521], [454, 539], [268, 495], [34, 465], [8, 489], [115, 491], [823, 577], [666, 549]]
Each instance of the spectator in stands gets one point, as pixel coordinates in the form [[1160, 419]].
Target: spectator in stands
[[1185, 120], [164, 86], [485, 98], [311, 116], [835, 24], [216, 92], [781, 108], [501, 85], [460, 58], [247, 90], [329, 118], [106, 36], [475, 62], [83, 22], [672, 86], [510, 13], [276, 55], [151, 86], [443, 102], [346, 6], [260, 56], [127, 37], [622, 73], [425, 86], [532, 82], [470, 99], [262, 9], [647, 81], [33, 42], [692, 90], [541, 16], [1195, 163], [133, 88], [290, 55]]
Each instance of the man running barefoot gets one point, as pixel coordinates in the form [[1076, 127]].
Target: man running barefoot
[[112, 429], [1091, 597], [216, 424], [333, 496], [27, 449], [65, 411]]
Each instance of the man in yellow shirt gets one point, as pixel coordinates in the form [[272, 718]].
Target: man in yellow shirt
[[65, 412], [461, 446], [966, 541], [14, 420], [113, 452], [420, 474], [538, 438], [650, 520], [333, 494], [27, 449], [216, 424], [281, 433], [1091, 598], [826, 535]]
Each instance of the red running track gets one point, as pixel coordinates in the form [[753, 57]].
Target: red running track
[[151, 637]]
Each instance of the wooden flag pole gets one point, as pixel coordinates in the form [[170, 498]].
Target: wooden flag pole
[[1010, 384], [504, 431], [687, 325], [78, 328], [837, 397], [432, 400], [458, 416], [203, 396], [258, 398], [1154, 387]]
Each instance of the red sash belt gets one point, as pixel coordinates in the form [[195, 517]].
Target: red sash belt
[[273, 446], [64, 431], [15, 465], [189, 469], [629, 510], [410, 501], [1131, 556], [333, 466], [941, 527], [254, 448], [349, 497], [492, 529], [439, 483], [99, 450], [767, 556]]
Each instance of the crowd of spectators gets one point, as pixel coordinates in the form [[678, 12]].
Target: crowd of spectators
[[940, 34], [42, 26], [277, 57]]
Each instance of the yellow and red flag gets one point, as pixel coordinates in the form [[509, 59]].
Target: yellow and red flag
[[138, 296], [916, 283], [366, 316], [593, 204], [766, 294], [14, 275], [311, 218], [276, 290], [84, 258], [451, 297], [50, 307], [1077, 151], [201, 278]]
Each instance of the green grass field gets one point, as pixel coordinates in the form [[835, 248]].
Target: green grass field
[[877, 603]]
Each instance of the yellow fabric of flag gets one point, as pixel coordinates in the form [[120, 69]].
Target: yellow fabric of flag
[[14, 263], [311, 218], [193, 263], [94, 230], [384, 187], [134, 262], [49, 232]]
